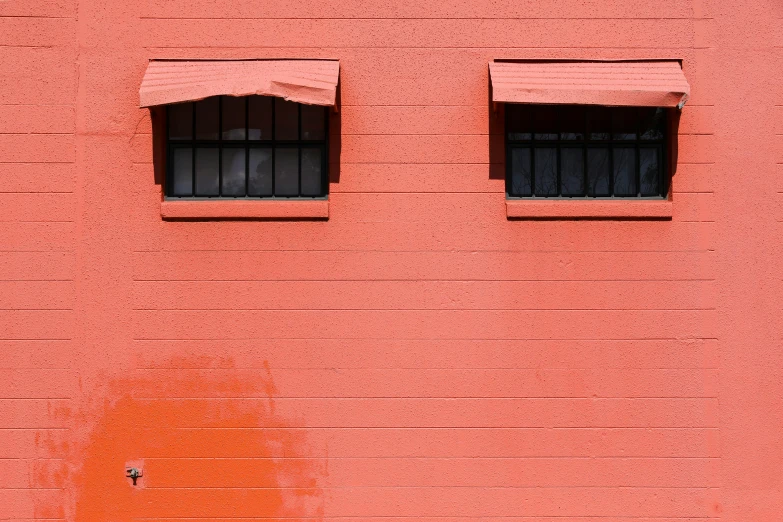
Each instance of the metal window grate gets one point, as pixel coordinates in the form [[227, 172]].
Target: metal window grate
[[578, 151], [254, 147]]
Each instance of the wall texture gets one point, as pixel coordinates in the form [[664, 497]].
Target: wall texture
[[418, 355]]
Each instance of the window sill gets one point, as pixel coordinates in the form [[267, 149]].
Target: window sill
[[592, 209], [263, 209]]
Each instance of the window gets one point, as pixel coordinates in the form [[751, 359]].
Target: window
[[585, 151], [250, 147]]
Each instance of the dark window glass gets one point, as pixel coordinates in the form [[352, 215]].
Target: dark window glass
[[585, 151], [311, 171], [313, 117], [259, 182], [572, 167], [247, 147], [653, 120], [599, 123], [624, 162], [259, 114], [234, 118], [650, 171], [544, 122], [182, 159], [207, 119], [518, 122], [233, 178], [207, 171], [520, 171], [181, 121], [286, 120], [545, 171], [286, 172], [598, 172]]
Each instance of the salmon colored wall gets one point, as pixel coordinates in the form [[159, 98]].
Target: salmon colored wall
[[418, 355]]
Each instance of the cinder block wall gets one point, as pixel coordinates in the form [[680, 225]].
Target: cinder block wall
[[418, 355]]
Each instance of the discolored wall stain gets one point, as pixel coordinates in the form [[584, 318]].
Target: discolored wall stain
[[208, 443]]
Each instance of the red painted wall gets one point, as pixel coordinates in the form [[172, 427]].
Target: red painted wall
[[417, 355]]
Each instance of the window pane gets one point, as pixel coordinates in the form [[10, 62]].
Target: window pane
[[598, 123], [313, 122], [311, 172], [653, 123], [518, 122], [233, 118], [259, 118], [207, 124], [597, 172], [624, 123], [624, 171], [572, 123], [545, 122], [182, 170], [286, 172], [286, 120], [233, 172], [259, 182], [520, 172], [207, 172], [649, 163], [546, 171], [181, 121], [572, 170]]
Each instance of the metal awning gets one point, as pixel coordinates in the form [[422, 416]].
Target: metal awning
[[650, 83], [313, 82]]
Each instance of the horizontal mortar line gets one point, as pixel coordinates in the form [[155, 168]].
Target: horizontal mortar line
[[472, 369], [417, 47], [446, 517], [403, 457], [414, 398], [36, 398], [455, 251], [21, 309], [28, 488], [2, 133], [347, 339], [378, 428], [434, 309], [414, 487], [35, 339], [418, 280], [404, 19], [37, 280], [41, 192], [42, 428]]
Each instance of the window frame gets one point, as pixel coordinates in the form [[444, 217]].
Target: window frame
[[247, 144], [664, 147]]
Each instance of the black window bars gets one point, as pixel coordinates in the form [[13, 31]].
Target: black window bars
[[577, 151], [254, 147]]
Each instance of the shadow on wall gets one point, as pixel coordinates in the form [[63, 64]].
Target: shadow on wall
[[208, 444]]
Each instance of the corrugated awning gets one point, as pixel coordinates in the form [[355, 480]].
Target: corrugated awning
[[659, 83], [313, 82]]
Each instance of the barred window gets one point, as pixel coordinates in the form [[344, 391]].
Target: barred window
[[580, 151], [246, 147]]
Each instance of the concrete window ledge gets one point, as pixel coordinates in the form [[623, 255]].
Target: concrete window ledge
[[227, 209], [588, 209]]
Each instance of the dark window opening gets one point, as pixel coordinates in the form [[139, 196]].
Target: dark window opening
[[246, 147], [579, 151]]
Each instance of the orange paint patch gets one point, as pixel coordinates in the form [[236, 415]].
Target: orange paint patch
[[207, 446]]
